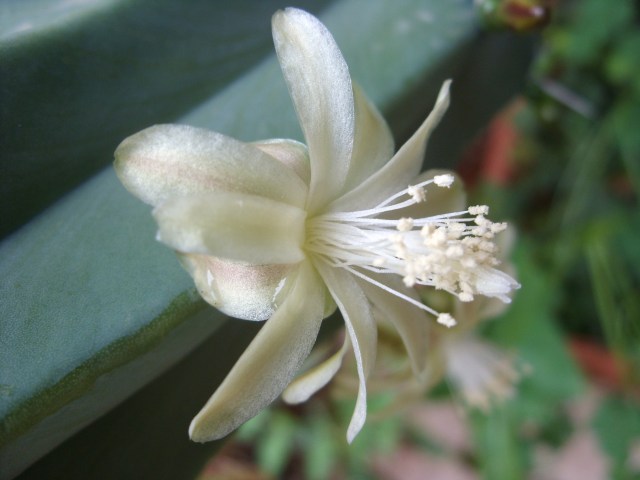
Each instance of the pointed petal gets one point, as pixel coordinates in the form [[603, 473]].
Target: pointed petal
[[411, 323], [373, 143], [294, 155], [310, 382], [319, 83], [240, 290], [361, 327], [268, 364], [401, 169], [234, 226], [165, 161]]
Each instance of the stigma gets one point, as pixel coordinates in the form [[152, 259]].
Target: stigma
[[454, 252]]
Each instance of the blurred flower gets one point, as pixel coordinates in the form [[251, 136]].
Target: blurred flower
[[282, 231], [519, 15]]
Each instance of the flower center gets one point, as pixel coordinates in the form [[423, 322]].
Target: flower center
[[454, 251]]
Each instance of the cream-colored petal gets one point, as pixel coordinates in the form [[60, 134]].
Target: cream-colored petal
[[269, 363], [362, 330], [310, 382], [411, 322], [319, 83], [165, 161], [294, 155], [401, 169], [373, 143], [233, 226], [238, 289]]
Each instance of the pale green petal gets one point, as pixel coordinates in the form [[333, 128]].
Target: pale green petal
[[165, 161], [362, 330], [319, 83], [233, 226], [401, 169], [310, 382], [411, 322], [294, 155], [268, 364], [240, 290], [373, 143]]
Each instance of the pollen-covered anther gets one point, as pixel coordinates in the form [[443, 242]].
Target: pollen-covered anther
[[498, 227], [405, 224], [418, 194], [445, 180], [447, 320], [436, 239], [465, 297], [478, 210], [455, 251], [427, 230]]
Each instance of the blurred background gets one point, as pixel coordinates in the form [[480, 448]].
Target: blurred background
[[544, 128]]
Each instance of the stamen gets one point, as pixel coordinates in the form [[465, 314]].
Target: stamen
[[417, 193], [446, 320], [445, 180], [453, 251]]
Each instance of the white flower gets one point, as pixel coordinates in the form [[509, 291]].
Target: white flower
[[282, 231]]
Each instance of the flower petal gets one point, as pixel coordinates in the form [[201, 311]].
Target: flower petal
[[401, 169], [240, 290], [361, 327], [411, 322], [373, 144], [310, 382], [269, 363], [234, 226], [294, 155], [319, 83], [165, 161]]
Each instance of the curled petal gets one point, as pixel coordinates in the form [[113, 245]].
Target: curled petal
[[492, 282], [234, 226], [269, 363], [166, 161], [320, 86], [310, 382], [361, 327], [401, 169], [294, 155], [240, 290]]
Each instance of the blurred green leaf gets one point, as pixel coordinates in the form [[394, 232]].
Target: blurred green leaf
[[617, 424], [276, 446], [499, 453], [322, 451], [615, 282]]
